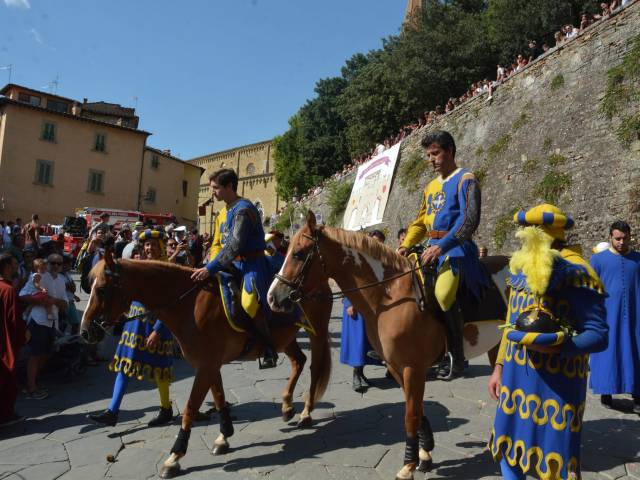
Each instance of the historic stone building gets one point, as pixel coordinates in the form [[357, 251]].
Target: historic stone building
[[58, 155], [170, 185], [257, 181]]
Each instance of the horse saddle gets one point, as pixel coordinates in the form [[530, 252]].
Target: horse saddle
[[235, 307], [490, 306]]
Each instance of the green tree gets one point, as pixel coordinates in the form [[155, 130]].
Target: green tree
[[512, 23]]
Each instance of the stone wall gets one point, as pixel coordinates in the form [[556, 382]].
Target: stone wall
[[542, 129]]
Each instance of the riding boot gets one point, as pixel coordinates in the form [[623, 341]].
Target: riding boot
[[454, 324], [270, 359]]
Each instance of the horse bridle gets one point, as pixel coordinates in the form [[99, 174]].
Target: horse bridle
[[105, 292], [296, 294]]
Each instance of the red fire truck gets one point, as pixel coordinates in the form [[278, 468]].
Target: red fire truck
[[77, 228]]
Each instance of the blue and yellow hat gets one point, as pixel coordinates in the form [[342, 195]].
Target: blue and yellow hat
[[548, 217], [533, 338], [149, 234]]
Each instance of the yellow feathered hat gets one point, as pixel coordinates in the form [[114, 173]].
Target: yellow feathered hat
[[548, 217]]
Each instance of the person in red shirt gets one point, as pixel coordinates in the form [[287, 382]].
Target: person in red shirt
[[12, 338]]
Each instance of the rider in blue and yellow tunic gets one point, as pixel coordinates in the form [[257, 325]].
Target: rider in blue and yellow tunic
[[449, 215], [540, 379], [243, 247], [145, 350]]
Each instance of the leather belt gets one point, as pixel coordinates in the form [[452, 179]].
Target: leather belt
[[437, 234], [250, 255]]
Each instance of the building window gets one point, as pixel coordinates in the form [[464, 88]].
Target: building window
[[58, 106], [150, 197], [48, 132], [30, 99], [185, 188], [100, 144], [96, 181], [44, 172], [155, 161], [251, 169]]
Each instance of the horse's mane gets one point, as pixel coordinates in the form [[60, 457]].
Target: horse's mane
[[160, 266], [369, 246]]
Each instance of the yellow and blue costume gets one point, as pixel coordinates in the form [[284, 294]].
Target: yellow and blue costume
[[218, 231], [538, 422], [449, 215], [243, 245]]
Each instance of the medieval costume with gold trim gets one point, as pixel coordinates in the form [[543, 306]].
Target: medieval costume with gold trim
[[538, 423]]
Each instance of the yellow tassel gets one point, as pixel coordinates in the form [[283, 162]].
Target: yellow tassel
[[534, 259]]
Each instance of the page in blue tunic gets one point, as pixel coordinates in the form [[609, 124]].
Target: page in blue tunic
[[617, 369]]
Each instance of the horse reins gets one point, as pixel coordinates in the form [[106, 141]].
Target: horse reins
[[296, 284], [107, 293]]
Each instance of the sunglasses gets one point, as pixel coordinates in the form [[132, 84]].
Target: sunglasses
[[54, 263]]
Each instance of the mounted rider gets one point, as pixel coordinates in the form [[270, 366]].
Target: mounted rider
[[449, 215], [243, 245]]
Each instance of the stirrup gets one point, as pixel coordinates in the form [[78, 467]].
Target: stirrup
[[266, 363]]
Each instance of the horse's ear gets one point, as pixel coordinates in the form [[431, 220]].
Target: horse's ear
[[108, 259], [311, 220]]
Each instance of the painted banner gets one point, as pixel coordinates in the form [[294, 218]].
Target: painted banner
[[371, 190]]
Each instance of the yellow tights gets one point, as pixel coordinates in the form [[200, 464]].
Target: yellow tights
[[446, 286], [163, 390]]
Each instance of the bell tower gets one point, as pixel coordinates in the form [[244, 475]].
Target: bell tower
[[412, 8]]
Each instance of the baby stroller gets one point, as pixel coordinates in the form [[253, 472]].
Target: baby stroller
[[70, 357]]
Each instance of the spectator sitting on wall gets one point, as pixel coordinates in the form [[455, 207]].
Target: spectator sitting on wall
[[584, 21], [534, 50]]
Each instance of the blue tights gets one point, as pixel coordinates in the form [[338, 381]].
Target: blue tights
[[509, 472], [119, 389]]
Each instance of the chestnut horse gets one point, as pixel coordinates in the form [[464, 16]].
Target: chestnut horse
[[196, 318], [408, 339]]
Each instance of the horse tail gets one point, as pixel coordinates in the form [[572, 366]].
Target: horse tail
[[325, 369]]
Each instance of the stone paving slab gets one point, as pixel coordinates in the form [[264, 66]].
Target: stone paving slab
[[354, 436]]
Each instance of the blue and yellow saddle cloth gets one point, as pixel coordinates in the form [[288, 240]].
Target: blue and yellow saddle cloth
[[242, 304]]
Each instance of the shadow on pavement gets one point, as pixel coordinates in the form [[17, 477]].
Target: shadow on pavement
[[379, 425]]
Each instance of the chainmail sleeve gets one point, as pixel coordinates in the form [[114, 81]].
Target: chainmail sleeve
[[471, 212], [237, 239]]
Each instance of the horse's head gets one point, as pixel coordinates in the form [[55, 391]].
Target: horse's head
[[107, 301], [303, 271]]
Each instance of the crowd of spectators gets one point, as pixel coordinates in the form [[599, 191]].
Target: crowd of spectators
[[481, 87], [38, 273]]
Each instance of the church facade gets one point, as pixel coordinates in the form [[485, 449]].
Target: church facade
[[255, 168]]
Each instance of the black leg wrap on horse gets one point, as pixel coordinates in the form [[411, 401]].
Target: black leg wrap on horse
[[181, 443], [226, 424], [411, 451], [425, 436]]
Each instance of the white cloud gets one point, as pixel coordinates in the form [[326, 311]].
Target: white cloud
[[17, 3], [36, 35]]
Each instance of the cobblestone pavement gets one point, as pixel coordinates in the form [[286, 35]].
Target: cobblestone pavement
[[354, 436]]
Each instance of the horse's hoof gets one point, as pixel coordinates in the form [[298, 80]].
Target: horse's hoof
[[425, 465], [220, 449], [305, 422], [170, 472], [288, 415]]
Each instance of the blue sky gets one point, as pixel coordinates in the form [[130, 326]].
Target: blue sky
[[208, 74]]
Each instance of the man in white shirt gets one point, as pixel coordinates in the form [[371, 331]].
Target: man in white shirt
[[41, 325]]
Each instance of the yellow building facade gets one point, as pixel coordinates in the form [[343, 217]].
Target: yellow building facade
[[256, 180], [58, 155], [170, 185]]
